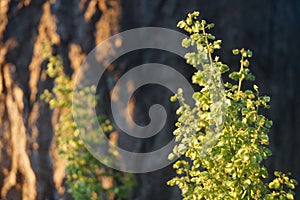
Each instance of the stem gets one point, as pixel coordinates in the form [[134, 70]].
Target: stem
[[241, 78], [207, 43]]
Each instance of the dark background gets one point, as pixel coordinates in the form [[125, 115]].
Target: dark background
[[269, 28]]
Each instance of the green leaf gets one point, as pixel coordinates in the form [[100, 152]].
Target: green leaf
[[234, 75], [224, 68], [235, 51], [246, 63], [249, 53]]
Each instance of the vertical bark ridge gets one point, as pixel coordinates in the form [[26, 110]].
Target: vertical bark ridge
[[20, 161]]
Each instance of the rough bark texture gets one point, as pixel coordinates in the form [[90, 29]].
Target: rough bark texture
[[30, 167]]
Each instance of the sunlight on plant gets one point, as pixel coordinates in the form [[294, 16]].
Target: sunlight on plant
[[86, 177], [232, 168]]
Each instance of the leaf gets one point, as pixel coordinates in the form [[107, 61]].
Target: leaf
[[224, 68], [181, 24], [234, 75], [246, 63], [235, 51]]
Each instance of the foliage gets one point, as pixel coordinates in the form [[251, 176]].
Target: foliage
[[223, 137], [86, 177]]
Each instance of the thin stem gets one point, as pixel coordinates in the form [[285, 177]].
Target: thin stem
[[241, 78], [207, 44]]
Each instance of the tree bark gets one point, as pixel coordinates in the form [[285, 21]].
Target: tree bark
[[30, 166]]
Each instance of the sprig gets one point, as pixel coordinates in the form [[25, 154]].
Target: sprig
[[223, 138]]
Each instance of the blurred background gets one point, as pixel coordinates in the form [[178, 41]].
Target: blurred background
[[29, 162]]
